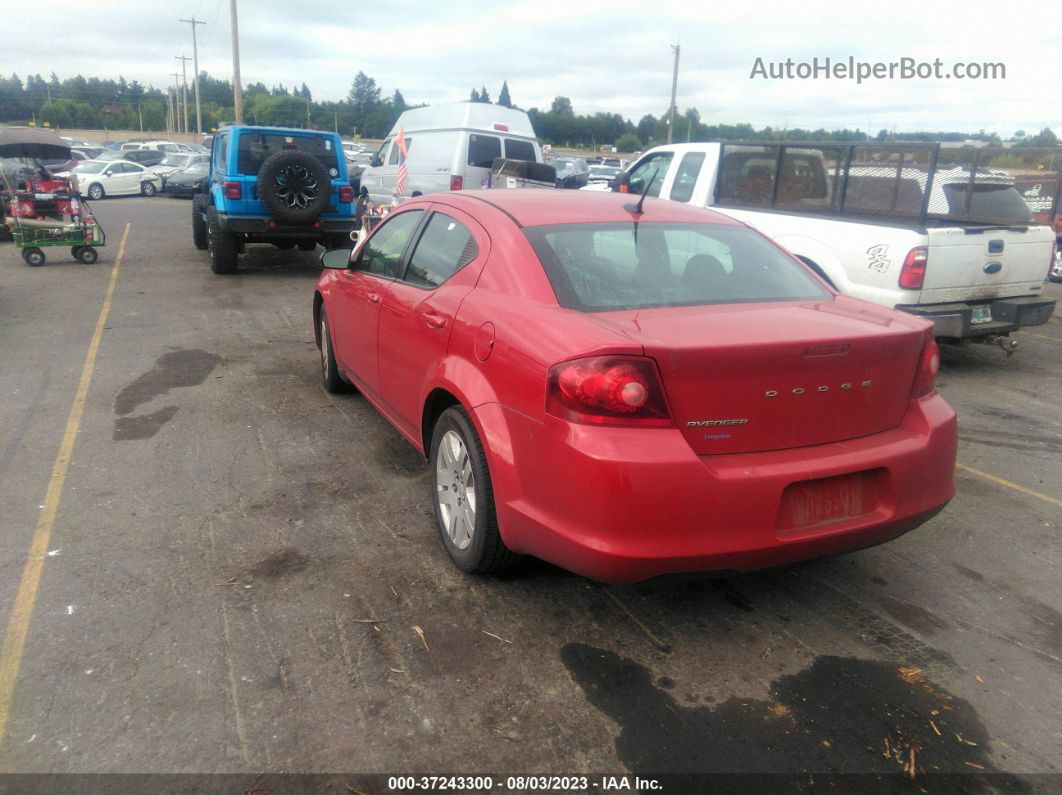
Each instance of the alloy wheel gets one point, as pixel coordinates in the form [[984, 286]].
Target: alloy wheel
[[455, 486], [296, 186]]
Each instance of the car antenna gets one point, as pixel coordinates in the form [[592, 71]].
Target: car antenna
[[637, 208]]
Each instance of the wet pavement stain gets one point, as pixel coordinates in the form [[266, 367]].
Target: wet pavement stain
[[839, 715], [284, 561], [172, 370]]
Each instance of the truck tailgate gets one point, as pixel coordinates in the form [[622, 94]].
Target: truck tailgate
[[975, 263]]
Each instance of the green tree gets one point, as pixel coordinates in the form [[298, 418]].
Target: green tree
[[474, 96], [628, 142], [503, 97], [562, 106], [484, 96]]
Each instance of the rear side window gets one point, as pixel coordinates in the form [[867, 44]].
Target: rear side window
[[383, 251], [255, 147], [482, 149], [444, 248], [601, 267], [519, 150], [686, 177], [221, 152]]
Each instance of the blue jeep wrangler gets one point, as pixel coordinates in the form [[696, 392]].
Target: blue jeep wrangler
[[273, 185]]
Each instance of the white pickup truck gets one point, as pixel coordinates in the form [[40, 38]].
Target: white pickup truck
[[968, 255]]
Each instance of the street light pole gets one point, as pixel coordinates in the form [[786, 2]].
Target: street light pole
[[237, 89], [674, 88], [195, 65], [184, 59]]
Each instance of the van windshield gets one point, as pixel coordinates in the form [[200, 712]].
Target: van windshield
[[602, 267]]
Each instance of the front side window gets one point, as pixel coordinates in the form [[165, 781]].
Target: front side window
[[482, 149], [445, 246], [382, 254], [601, 267], [396, 152], [650, 171]]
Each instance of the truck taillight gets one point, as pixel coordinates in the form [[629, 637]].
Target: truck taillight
[[1051, 261], [233, 190], [928, 367], [913, 273], [346, 194], [456, 183], [607, 390]]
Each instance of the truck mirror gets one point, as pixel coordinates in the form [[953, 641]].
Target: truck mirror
[[376, 162], [620, 183]]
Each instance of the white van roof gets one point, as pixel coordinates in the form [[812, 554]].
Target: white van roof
[[465, 116]]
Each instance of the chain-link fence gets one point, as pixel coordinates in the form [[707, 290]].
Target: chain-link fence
[[919, 183]]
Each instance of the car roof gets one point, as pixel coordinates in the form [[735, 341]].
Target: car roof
[[545, 207]]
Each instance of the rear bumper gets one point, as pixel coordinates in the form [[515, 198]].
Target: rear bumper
[[648, 505], [265, 229], [1008, 314]]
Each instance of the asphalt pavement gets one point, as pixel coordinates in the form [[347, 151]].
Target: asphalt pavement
[[239, 572]]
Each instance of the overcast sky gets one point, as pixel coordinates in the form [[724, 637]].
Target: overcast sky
[[605, 56]]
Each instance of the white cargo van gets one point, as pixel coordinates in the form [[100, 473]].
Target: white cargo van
[[967, 253], [450, 147]]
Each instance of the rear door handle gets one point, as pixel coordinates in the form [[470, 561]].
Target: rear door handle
[[374, 298], [432, 320]]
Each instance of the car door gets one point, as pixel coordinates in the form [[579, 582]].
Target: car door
[[358, 294], [135, 176], [116, 178], [419, 308]]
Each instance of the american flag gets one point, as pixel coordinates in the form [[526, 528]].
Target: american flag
[[403, 172]]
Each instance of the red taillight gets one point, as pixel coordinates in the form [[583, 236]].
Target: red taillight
[[501, 127], [1051, 261], [607, 390], [928, 366], [456, 183], [913, 273], [233, 190], [346, 194]]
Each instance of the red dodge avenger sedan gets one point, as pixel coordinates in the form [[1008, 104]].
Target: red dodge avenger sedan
[[628, 391]]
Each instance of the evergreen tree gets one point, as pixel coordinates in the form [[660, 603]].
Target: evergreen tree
[[503, 98], [484, 96], [474, 97]]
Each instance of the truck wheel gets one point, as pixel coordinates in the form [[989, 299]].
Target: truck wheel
[[285, 245], [33, 256], [199, 227], [222, 246], [294, 186], [339, 241]]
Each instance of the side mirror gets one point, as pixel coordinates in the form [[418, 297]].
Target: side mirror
[[620, 183], [336, 259], [108, 173], [376, 162]]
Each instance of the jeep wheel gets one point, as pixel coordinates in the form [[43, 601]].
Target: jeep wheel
[[307, 245], [294, 186], [199, 227], [222, 246]]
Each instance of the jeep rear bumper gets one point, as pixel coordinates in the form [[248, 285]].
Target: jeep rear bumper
[[266, 229], [956, 321]]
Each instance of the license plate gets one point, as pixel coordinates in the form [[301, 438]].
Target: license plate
[[817, 502], [981, 314]]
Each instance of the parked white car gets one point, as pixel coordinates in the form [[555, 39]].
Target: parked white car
[[176, 162], [99, 178]]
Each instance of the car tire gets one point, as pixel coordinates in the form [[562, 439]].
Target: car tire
[[221, 245], [96, 191], [87, 255], [331, 379], [463, 496], [148, 188], [33, 257], [295, 204], [199, 227]]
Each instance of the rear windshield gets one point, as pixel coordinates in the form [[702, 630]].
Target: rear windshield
[[601, 267], [255, 147], [998, 203]]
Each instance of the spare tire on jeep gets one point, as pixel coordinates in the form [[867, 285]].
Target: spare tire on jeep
[[294, 186]]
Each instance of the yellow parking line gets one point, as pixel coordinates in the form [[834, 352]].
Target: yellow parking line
[[21, 611], [1009, 485]]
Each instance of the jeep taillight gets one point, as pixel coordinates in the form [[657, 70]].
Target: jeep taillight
[[346, 194], [607, 390], [233, 190], [928, 366], [456, 182], [913, 273]]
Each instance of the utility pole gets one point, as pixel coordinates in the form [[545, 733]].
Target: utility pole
[[195, 65], [237, 89], [177, 99], [674, 88], [140, 113], [307, 113], [169, 110], [184, 59]]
